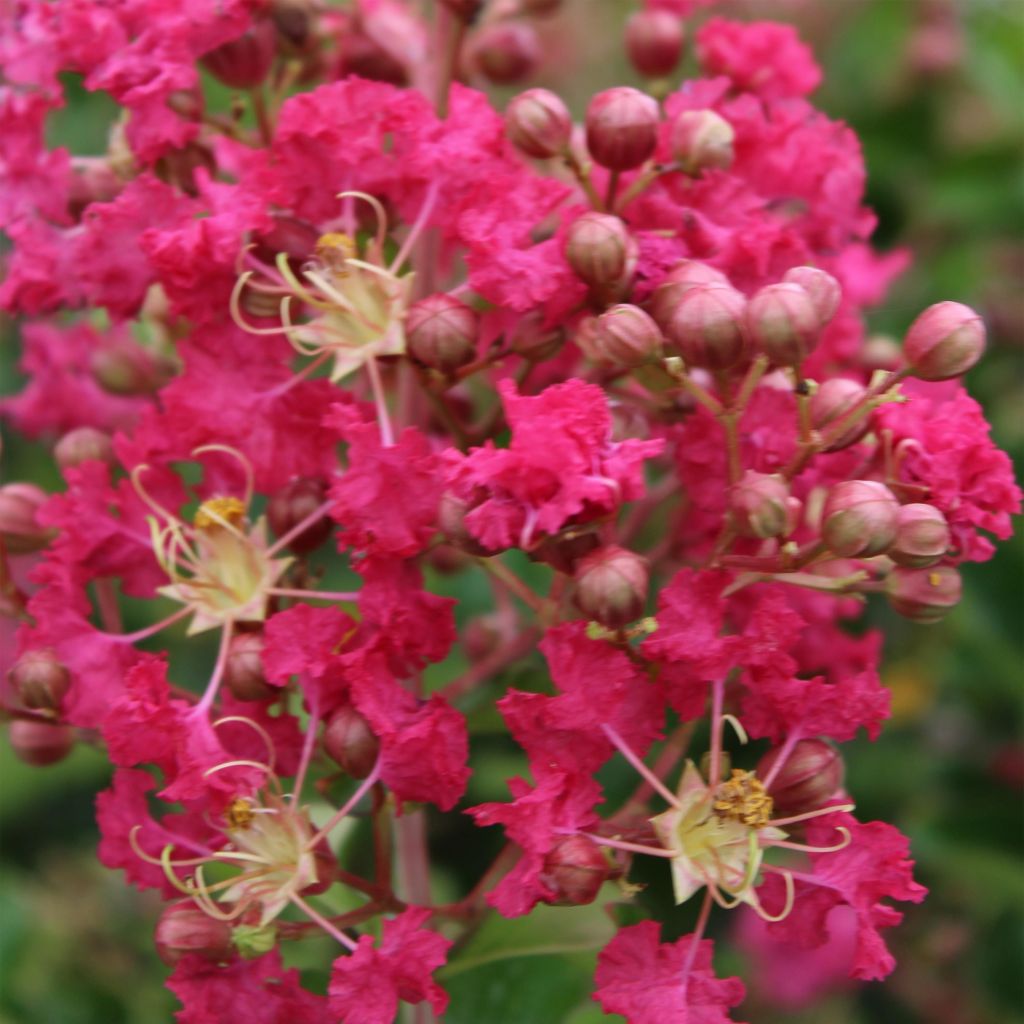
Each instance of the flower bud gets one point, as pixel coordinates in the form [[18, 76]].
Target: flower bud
[[945, 341], [783, 322], [293, 20], [244, 62], [622, 128], [40, 680], [564, 551], [349, 740], [707, 327], [574, 869], [19, 530], [654, 42], [924, 595], [822, 287], [835, 398], [627, 336], [184, 929], [611, 586], [83, 444], [922, 536], [532, 340], [129, 369], [539, 8], [244, 672], [451, 518], [811, 775], [686, 274], [760, 505], [40, 743], [538, 123], [298, 499], [441, 332], [701, 140], [600, 250], [506, 52], [859, 519]]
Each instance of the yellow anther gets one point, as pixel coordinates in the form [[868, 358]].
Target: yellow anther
[[239, 813], [743, 798], [218, 511], [334, 248]]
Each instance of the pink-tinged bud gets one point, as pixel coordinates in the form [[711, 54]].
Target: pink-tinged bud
[[244, 62], [40, 743], [292, 19], [835, 398], [184, 930], [40, 680], [600, 250], [94, 181], [574, 869], [686, 274], [859, 519], [654, 42], [622, 128], [349, 740], [881, 352], [922, 536], [708, 328], [244, 672], [784, 324], [506, 52], [451, 518], [296, 501], [540, 8], [467, 10], [441, 332], [924, 595], [809, 778], [702, 140], [532, 340], [19, 530], [945, 341], [129, 369], [823, 288], [627, 336], [611, 586], [538, 123], [83, 444], [564, 552], [760, 505], [482, 636]]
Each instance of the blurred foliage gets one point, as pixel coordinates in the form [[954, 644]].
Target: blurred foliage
[[940, 118]]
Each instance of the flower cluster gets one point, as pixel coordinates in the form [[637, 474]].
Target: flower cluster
[[313, 363]]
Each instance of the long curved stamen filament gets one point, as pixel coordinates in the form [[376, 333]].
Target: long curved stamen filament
[[297, 286], [142, 634], [257, 728], [805, 848], [741, 733], [387, 435], [725, 904], [783, 756], [240, 763], [380, 235], [318, 595], [135, 476], [226, 449], [649, 776], [335, 933], [820, 813], [158, 862], [300, 346], [426, 208], [307, 748], [299, 527], [786, 907], [342, 812], [717, 700], [619, 844], [218, 672], [235, 310]]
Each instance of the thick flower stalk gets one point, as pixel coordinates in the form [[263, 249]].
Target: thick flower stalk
[[448, 421]]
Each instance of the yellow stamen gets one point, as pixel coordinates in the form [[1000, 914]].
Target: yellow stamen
[[334, 250], [239, 813], [743, 798]]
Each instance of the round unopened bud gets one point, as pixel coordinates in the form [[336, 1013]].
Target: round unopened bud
[[654, 42], [859, 518], [19, 530], [451, 518], [538, 123], [349, 740], [784, 323], [574, 869], [563, 552], [83, 444], [243, 63], [40, 680], [822, 287], [924, 595], [701, 140], [244, 672], [945, 341], [441, 332], [627, 336], [810, 776], [293, 20], [922, 536], [611, 586], [600, 250], [296, 501], [506, 52], [129, 369], [760, 505], [184, 930], [686, 274], [40, 743], [622, 127], [708, 328], [532, 339], [835, 398]]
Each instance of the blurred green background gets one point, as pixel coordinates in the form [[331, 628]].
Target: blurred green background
[[934, 89]]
